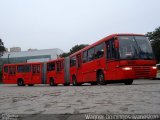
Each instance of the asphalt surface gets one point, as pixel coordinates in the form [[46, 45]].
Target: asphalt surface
[[142, 97]]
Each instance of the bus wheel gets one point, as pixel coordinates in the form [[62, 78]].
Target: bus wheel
[[100, 78], [128, 82], [30, 84], [51, 83], [74, 81], [20, 82]]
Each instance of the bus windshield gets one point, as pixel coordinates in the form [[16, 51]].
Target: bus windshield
[[135, 47]]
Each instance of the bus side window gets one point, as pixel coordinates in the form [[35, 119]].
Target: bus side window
[[91, 54], [6, 69], [99, 51], [73, 61], [85, 57], [51, 66], [27, 68], [20, 68], [79, 60]]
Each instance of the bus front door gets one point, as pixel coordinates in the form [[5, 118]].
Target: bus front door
[[112, 63]]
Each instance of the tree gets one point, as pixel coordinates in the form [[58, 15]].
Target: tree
[[154, 37], [77, 48], [2, 48], [73, 50], [64, 54]]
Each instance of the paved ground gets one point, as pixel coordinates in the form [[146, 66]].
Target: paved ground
[[141, 97]]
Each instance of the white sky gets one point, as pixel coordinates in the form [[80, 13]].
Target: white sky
[[45, 24]]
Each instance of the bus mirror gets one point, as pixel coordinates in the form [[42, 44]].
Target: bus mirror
[[116, 44]]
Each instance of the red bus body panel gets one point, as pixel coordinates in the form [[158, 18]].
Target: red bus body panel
[[27, 77], [112, 69], [58, 76], [140, 69]]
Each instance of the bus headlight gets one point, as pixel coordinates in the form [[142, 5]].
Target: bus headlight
[[127, 68], [154, 67]]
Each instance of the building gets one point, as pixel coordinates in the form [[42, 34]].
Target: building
[[30, 56], [32, 49], [6, 49], [15, 49]]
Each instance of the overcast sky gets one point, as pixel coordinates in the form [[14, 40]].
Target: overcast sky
[[45, 24]]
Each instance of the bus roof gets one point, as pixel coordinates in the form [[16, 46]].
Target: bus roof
[[103, 40], [22, 63], [59, 59]]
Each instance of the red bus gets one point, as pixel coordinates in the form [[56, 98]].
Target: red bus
[[23, 73], [116, 58], [55, 72]]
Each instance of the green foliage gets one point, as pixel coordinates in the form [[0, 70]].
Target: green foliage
[[77, 48], [155, 41], [73, 50], [2, 48], [64, 54]]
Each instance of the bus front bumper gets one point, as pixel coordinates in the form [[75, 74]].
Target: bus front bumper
[[138, 72]]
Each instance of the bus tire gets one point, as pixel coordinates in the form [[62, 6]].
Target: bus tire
[[51, 82], [128, 82], [20, 82], [100, 78], [74, 81], [30, 84]]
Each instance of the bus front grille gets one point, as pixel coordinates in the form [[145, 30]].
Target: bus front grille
[[141, 71]]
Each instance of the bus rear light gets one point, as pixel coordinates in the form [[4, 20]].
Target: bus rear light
[[127, 68], [154, 67]]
